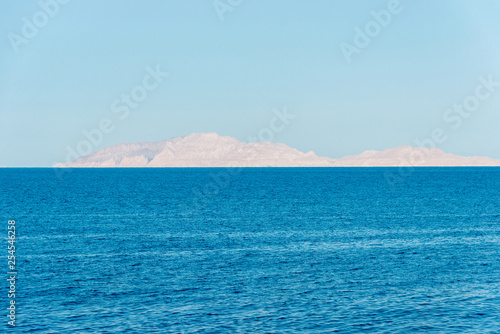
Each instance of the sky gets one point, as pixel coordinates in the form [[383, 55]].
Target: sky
[[78, 76]]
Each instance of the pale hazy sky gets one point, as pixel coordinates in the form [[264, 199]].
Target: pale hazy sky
[[226, 76]]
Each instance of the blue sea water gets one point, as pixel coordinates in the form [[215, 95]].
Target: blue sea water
[[258, 250]]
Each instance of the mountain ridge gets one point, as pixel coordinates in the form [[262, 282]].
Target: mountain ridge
[[213, 150]]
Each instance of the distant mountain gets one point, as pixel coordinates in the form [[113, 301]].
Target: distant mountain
[[413, 156], [212, 150], [199, 150]]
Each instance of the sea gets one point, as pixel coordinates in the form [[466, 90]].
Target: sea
[[253, 250]]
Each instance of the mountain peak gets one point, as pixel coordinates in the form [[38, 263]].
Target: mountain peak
[[203, 135]]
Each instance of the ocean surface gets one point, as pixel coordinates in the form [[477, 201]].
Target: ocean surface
[[258, 250]]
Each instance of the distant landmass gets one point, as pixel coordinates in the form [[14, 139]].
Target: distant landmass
[[212, 150]]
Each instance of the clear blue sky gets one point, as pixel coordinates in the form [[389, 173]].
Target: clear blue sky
[[227, 76]]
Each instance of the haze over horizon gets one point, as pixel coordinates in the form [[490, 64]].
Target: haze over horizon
[[430, 72]]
